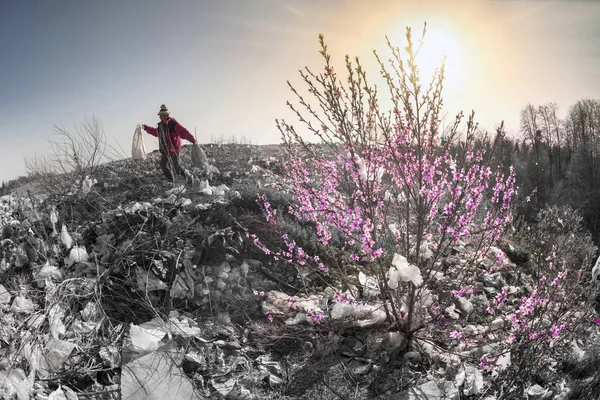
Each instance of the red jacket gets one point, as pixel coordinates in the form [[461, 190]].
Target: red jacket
[[174, 136]]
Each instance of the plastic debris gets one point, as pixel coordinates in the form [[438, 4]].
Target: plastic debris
[[138, 150], [49, 272], [596, 270], [58, 394], [4, 265], [111, 356], [393, 340], [16, 383], [199, 158], [55, 320], [65, 237], [92, 312], [401, 270], [79, 328], [363, 315], [135, 207], [205, 188], [87, 185], [53, 215], [22, 305], [146, 338], [147, 281], [55, 353], [220, 190], [4, 296], [77, 255], [370, 285], [473, 380], [156, 376], [22, 257], [224, 388]]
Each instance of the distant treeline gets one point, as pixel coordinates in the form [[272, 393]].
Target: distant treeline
[[558, 158]]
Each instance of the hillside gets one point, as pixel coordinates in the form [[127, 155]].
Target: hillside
[[141, 289]]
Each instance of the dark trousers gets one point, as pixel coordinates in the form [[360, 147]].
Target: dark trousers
[[169, 164]]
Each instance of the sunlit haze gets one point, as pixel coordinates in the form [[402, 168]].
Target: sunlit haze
[[222, 66]]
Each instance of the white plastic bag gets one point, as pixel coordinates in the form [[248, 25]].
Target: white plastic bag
[[138, 151], [65, 237], [146, 338], [87, 184], [77, 255], [401, 270], [199, 158]]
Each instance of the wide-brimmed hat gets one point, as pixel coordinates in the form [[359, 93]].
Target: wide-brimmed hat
[[164, 110]]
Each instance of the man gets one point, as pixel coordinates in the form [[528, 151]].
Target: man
[[169, 134]]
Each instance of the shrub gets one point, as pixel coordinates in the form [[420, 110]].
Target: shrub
[[398, 190], [562, 253], [74, 154]]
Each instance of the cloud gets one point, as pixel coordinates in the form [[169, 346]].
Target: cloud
[[294, 11]]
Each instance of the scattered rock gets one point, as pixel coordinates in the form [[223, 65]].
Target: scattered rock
[[393, 341], [465, 305], [496, 324], [536, 392], [477, 352], [451, 312], [413, 357], [359, 369]]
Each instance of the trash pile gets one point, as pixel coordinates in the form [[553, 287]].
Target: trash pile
[[108, 303], [134, 288]]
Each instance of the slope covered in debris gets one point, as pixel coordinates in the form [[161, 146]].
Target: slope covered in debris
[[130, 287]]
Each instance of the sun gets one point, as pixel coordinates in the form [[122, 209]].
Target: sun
[[437, 44]]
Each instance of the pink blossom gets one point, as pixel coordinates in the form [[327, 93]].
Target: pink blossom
[[456, 335], [510, 338]]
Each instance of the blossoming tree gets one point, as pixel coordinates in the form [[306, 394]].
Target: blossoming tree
[[399, 190], [390, 195]]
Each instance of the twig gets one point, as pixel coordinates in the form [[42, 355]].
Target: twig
[[276, 279], [332, 389], [91, 394]]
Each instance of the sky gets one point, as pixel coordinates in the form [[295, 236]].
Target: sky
[[221, 66]]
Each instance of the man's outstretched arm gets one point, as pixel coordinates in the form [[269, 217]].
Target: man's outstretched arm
[[150, 130], [184, 133]]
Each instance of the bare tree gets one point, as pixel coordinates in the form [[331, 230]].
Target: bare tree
[[529, 122], [583, 122], [530, 128], [74, 154], [547, 116]]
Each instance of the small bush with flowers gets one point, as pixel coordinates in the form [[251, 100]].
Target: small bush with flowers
[[559, 307]]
